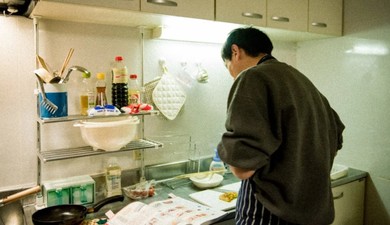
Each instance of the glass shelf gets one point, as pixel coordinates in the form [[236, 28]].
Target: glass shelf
[[69, 153]]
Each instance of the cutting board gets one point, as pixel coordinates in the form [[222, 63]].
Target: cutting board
[[211, 198]]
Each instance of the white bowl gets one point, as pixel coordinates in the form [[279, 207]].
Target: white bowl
[[207, 182], [109, 134]]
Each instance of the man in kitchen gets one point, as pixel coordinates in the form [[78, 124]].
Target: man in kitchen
[[281, 137]]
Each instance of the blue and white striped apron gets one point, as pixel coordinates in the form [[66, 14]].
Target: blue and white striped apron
[[249, 211]]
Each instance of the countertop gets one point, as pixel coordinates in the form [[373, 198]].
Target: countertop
[[184, 190]]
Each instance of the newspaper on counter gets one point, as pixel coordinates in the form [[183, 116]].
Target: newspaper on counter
[[173, 211]]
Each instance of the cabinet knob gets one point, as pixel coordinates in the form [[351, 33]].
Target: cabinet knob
[[252, 15], [322, 25], [280, 19], [163, 2]]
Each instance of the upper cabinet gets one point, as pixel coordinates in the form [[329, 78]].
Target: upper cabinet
[[288, 14], [326, 17], [249, 12], [115, 4], [201, 9]]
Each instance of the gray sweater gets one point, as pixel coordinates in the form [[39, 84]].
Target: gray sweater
[[280, 125]]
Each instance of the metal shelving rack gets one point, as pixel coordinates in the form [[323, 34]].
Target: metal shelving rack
[[69, 153]]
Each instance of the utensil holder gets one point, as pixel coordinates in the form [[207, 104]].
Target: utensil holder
[[56, 93]]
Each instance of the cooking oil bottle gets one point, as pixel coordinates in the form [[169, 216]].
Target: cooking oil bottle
[[113, 177], [134, 90], [101, 98]]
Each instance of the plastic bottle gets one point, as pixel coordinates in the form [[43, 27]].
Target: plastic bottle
[[101, 97], [134, 90], [86, 95], [119, 83], [217, 163], [113, 177]]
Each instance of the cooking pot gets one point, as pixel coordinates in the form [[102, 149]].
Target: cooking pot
[[69, 214]]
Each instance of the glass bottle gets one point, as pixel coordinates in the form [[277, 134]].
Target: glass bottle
[[101, 98], [134, 90], [86, 95]]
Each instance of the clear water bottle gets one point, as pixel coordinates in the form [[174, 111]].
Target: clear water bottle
[[119, 89], [101, 98]]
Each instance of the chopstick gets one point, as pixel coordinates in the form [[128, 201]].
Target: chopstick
[[67, 59], [188, 175]]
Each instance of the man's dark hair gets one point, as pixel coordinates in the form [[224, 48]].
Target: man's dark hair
[[252, 40]]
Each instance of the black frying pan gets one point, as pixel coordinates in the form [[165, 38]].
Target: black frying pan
[[69, 214]]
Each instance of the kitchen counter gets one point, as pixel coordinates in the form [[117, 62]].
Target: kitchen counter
[[163, 190]]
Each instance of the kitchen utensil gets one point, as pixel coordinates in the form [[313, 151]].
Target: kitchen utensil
[[109, 134], [198, 175], [44, 75], [51, 107], [43, 63], [71, 69], [69, 214], [19, 195], [66, 61]]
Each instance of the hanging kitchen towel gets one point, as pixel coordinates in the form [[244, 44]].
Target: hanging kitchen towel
[[168, 96]]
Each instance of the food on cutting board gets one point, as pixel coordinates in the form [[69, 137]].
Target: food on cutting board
[[228, 196]]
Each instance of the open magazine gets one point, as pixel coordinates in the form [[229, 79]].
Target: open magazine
[[173, 211]]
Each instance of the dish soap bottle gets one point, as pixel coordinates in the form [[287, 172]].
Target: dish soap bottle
[[217, 164], [101, 98], [134, 90], [119, 84], [113, 177], [86, 96]]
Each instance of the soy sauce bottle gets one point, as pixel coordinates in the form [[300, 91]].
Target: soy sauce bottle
[[119, 83]]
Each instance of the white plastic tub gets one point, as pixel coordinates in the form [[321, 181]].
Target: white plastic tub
[[109, 134]]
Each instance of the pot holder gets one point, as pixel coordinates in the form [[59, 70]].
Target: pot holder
[[168, 95]]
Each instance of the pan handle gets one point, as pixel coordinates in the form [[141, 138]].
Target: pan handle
[[20, 195], [100, 204]]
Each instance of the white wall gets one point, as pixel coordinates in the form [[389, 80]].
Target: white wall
[[357, 85], [202, 118]]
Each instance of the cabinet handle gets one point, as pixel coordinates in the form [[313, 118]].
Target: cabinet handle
[[252, 15], [338, 196], [322, 25], [280, 19], [163, 2]]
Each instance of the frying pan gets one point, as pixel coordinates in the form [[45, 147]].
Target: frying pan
[[69, 214]]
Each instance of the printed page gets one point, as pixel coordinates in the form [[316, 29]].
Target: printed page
[[175, 211]]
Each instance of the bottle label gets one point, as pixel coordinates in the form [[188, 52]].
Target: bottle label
[[134, 97], [119, 75]]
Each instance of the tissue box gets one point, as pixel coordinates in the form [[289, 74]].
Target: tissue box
[[74, 190]]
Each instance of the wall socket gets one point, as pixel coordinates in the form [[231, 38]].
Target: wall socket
[[137, 155]]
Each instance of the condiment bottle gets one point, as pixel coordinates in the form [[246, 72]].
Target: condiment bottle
[[113, 177], [86, 95], [217, 164], [101, 98], [119, 83], [134, 90]]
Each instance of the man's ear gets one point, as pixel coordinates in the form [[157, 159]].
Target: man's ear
[[235, 51]]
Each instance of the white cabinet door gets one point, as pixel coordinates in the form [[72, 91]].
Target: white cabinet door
[[249, 12], [326, 17], [202, 9], [288, 14], [349, 203], [116, 4]]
